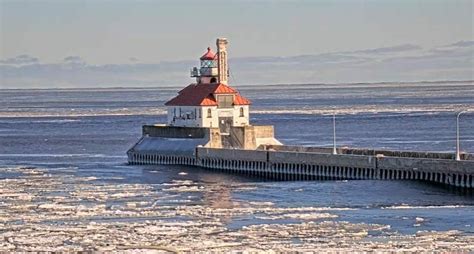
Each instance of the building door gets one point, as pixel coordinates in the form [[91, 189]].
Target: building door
[[225, 125]]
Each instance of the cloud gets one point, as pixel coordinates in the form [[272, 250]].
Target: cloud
[[334, 59], [462, 44], [405, 62], [74, 60], [20, 60], [385, 50]]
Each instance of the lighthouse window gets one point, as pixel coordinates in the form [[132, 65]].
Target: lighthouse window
[[225, 101], [208, 63], [209, 113], [241, 112]]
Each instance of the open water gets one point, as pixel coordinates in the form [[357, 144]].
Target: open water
[[63, 166]]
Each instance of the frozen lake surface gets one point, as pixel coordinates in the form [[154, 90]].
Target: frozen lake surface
[[65, 184]]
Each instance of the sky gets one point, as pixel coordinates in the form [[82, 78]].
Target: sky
[[71, 43]]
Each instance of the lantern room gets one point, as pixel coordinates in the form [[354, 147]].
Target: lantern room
[[208, 71]]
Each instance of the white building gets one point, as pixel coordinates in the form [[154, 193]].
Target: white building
[[210, 102]]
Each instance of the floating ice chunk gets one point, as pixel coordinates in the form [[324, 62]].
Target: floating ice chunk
[[90, 178], [419, 219], [404, 206], [185, 189], [302, 216]]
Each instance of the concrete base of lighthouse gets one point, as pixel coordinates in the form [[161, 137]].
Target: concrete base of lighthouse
[[182, 141]]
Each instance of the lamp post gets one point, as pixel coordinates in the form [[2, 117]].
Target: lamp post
[[334, 150], [458, 148]]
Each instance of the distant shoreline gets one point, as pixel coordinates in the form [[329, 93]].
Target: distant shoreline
[[252, 85]]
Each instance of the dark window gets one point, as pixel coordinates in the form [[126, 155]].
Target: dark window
[[213, 80], [209, 113], [225, 101], [242, 112]]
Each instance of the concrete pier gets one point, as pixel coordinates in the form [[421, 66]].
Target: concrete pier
[[298, 165]]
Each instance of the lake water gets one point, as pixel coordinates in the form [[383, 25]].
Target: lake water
[[65, 183]]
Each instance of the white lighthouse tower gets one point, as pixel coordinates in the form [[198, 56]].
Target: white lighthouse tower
[[210, 102]]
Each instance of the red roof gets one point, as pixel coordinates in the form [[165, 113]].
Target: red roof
[[209, 55], [203, 95]]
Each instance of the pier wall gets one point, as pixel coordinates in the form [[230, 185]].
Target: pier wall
[[242, 137], [322, 159], [284, 165], [231, 154], [373, 152], [164, 131]]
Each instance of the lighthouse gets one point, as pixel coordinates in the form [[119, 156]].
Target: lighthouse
[[207, 113], [210, 102]]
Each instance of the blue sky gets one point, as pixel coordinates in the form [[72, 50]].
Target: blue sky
[[154, 43]]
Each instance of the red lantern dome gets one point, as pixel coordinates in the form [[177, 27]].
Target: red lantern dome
[[209, 55]]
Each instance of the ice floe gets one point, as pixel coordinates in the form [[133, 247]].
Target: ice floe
[[41, 212]]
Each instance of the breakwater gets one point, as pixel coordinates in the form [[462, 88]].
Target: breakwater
[[298, 163]]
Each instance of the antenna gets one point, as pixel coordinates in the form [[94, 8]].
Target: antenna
[[334, 150], [232, 76]]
